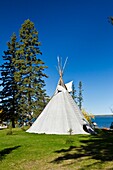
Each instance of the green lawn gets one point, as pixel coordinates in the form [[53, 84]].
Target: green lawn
[[24, 151]]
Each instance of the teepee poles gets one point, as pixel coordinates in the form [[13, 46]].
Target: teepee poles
[[61, 68]]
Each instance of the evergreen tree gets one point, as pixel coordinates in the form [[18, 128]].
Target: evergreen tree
[[80, 97], [73, 93], [30, 71], [8, 98], [111, 20]]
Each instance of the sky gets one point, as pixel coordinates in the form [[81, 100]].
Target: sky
[[77, 29]]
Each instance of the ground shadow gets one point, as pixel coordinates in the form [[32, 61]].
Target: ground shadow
[[6, 151], [99, 147]]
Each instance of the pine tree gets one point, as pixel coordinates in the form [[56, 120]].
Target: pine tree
[[111, 19], [9, 87], [80, 97], [73, 93], [30, 71]]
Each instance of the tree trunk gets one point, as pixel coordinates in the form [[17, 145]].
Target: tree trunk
[[13, 123]]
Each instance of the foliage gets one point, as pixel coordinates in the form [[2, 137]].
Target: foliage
[[29, 75], [9, 101], [73, 93], [22, 76], [80, 97], [111, 19], [88, 116]]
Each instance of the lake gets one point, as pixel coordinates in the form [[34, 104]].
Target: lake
[[104, 120]]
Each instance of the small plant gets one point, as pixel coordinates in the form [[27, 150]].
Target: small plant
[[70, 131]]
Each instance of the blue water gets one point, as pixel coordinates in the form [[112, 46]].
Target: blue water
[[103, 121]]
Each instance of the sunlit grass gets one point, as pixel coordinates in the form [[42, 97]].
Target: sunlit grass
[[24, 151]]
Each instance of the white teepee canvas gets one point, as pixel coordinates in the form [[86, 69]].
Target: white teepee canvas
[[61, 115]]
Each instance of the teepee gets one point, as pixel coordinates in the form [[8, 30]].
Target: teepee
[[61, 115]]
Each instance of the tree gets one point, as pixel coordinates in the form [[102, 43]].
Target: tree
[[111, 20], [9, 87], [73, 93], [80, 97], [29, 73]]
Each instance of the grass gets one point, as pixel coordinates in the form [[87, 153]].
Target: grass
[[24, 151]]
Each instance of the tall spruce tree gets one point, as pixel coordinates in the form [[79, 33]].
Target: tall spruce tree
[[30, 71], [73, 93], [80, 96], [8, 98]]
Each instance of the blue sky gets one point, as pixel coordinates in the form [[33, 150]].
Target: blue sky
[[78, 29]]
